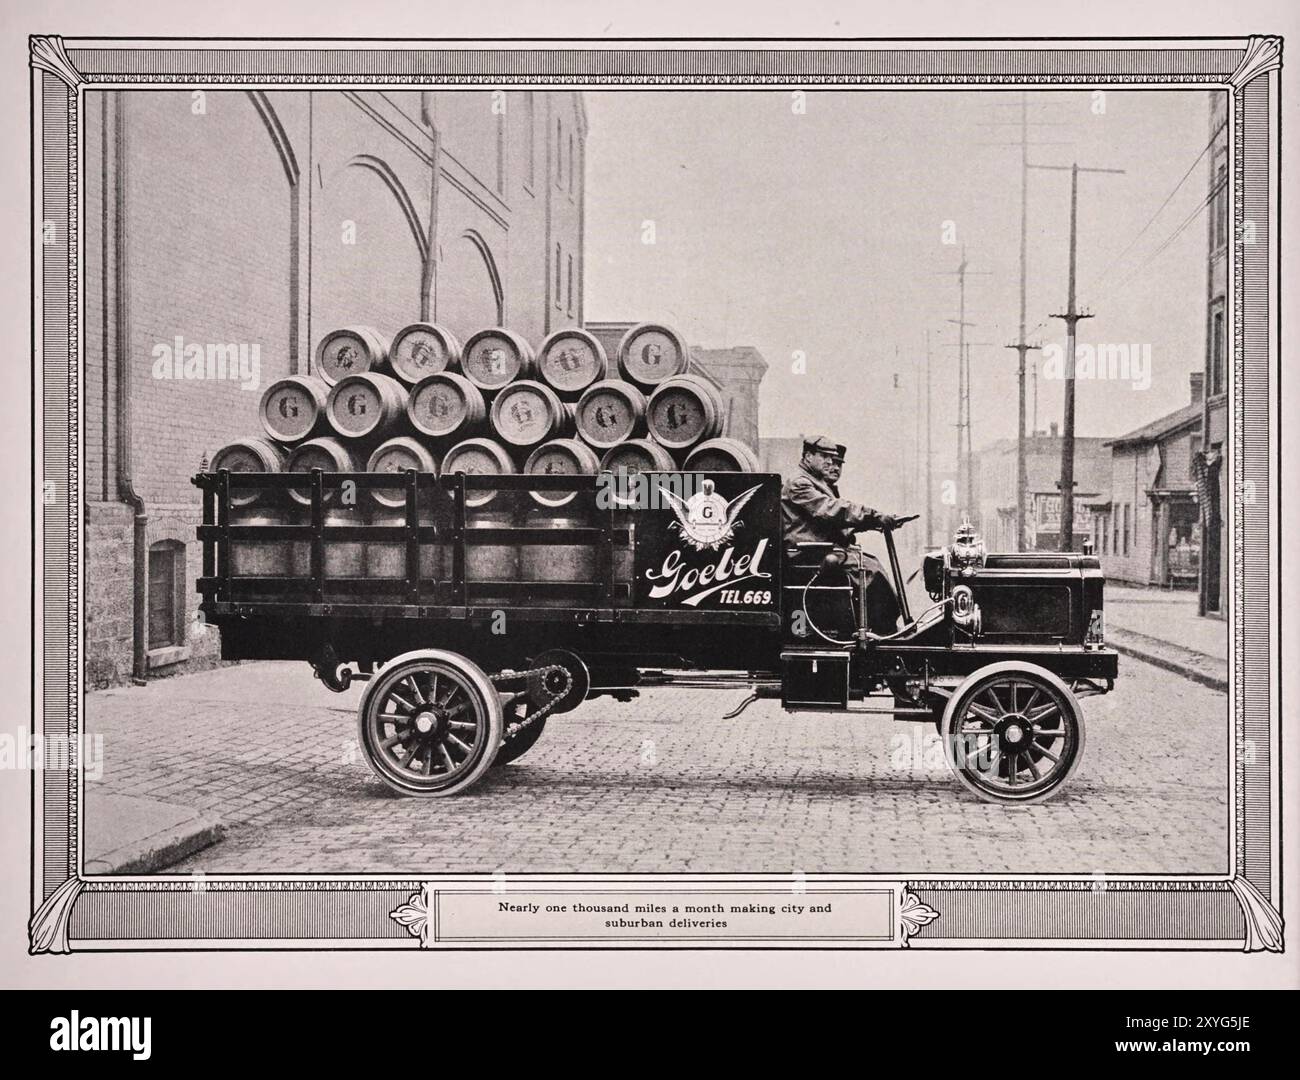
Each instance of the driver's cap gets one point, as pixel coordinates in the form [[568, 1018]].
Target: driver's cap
[[823, 445]]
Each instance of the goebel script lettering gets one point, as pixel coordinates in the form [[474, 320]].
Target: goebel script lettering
[[676, 577]]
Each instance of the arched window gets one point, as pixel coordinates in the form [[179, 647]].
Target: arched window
[[371, 248], [470, 292], [289, 162]]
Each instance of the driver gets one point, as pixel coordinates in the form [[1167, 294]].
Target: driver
[[813, 512]]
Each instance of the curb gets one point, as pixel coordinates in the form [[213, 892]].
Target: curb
[[158, 851], [1199, 668]]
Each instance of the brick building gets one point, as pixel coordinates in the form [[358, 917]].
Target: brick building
[[1147, 528], [259, 221], [1209, 473], [995, 487]]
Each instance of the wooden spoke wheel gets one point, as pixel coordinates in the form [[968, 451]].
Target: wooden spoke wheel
[[1013, 732], [430, 724]]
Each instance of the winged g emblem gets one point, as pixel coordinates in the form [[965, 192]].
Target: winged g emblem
[[706, 520]]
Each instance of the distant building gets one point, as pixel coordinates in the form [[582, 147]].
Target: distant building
[[1209, 474], [737, 372], [780, 454], [995, 485], [1148, 529]]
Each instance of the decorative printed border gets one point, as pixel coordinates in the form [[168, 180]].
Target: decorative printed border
[[75, 910]]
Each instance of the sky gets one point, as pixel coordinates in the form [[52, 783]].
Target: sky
[[831, 234]]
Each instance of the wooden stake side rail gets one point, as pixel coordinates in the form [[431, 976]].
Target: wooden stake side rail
[[435, 512]]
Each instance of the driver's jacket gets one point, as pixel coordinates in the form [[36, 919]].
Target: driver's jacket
[[813, 512]]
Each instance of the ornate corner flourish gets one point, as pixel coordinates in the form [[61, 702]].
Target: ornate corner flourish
[[48, 929], [912, 915], [414, 915], [1262, 54], [1263, 923], [48, 54]]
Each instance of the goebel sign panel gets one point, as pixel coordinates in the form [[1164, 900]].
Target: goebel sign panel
[[719, 548]]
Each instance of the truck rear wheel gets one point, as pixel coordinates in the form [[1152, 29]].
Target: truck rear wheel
[[1013, 732], [430, 724]]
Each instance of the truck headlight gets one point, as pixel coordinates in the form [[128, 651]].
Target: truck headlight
[[965, 612]]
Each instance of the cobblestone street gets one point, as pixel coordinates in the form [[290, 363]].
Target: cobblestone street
[[663, 784]]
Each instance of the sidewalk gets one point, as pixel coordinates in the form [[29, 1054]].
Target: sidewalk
[[136, 835], [189, 759], [1163, 628]]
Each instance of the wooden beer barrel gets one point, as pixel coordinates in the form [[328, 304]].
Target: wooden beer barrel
[[564, 457], [343, 558], [650, 353], [326, 454], [248, 455], [721, 455], [423, 349], [484, 562], [610, 412], [294, 408], [350, 350], [490, 562], [527, 413], [570, 360], [259, 558], [683, 411], [556, 562], [387, 559], [446, 405], [398, 455], [477, 457], [636, 456], [625, 553], [493, 358], [366, 405]]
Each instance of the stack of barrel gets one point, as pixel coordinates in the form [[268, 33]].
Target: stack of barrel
[[491, 405]]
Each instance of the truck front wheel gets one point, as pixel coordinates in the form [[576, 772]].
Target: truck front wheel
[[1013, 732]]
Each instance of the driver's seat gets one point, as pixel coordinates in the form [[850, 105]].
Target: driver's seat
[[830, 602]]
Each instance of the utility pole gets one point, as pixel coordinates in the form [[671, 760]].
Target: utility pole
[[1021, 345], [961, 354], [1071, 315], [1033, 374], [963, 373], [970, 471], [917, 483], [910, 469], [929, 454], [965, 447]]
